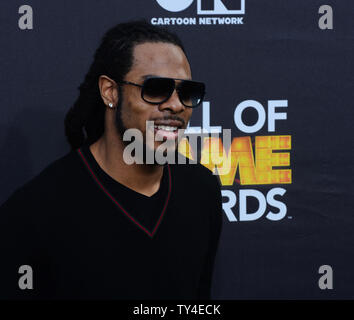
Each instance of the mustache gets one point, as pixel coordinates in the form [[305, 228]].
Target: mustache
[[171, 117]]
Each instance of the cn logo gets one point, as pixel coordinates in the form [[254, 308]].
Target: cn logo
[[206, 6], [173, 5]]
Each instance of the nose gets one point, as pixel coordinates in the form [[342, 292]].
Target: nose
[[173, 104]]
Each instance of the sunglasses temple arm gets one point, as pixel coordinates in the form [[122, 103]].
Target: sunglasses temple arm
[[132, 83]]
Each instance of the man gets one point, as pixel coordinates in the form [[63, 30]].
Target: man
[[91, 226]]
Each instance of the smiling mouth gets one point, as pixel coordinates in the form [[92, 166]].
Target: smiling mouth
[[166, 128], [166, 132]]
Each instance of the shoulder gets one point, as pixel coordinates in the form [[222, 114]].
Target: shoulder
[[195, 176], [52, 177]]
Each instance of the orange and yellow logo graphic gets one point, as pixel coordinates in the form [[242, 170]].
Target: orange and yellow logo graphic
[[255, 167]]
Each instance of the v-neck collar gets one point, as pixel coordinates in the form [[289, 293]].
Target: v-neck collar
[[103, 187]]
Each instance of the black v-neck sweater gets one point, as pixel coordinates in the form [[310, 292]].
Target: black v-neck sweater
[[146, 212], [86, 236]]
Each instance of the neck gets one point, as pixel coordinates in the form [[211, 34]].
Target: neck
[[142, 178]]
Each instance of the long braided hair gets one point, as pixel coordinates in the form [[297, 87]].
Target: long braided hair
[[84, 122]]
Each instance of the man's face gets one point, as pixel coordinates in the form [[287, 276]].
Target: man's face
[[153, 59]]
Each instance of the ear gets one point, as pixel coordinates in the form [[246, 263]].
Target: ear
[[108, 89]]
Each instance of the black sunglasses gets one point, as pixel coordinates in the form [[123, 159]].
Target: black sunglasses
[[157, 90]]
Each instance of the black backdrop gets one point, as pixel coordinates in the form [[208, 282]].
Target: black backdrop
[[278, 53]]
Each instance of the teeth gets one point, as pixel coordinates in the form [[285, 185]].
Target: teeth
[[166, 128]]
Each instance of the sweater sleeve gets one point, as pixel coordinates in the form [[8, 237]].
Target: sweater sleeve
[[17, 242], [204, 291]]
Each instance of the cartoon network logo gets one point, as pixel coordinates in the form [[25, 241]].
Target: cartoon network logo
[[204, 7]]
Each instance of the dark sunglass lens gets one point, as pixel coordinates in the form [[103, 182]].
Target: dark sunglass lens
[[156, 90], [191, 93]]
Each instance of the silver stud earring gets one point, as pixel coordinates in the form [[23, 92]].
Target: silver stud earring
[[110, 105]]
